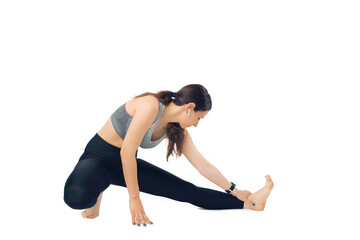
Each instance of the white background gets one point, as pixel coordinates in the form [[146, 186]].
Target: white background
[[283, 77]]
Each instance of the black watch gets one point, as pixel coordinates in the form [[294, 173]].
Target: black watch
[[231, 188]]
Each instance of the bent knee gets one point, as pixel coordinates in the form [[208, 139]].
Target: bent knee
[[78, 198]]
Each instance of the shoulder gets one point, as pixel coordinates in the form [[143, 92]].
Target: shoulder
[[147, 103]]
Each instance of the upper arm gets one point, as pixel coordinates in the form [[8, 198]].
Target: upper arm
[[192, 154], [145, 114]]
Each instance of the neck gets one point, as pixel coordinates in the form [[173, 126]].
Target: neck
[[171, 113]]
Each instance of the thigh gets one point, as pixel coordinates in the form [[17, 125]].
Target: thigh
[[89, 175]]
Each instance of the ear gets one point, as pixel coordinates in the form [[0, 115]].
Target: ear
[[190, 105]]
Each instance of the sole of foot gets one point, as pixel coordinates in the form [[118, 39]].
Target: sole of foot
[[260, 197]]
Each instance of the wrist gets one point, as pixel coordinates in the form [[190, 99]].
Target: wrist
[[235, 192], [231, 188]]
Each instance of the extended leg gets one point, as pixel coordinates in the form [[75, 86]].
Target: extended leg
[[156, 181]]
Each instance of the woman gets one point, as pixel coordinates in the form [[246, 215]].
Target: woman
[[110, 157]]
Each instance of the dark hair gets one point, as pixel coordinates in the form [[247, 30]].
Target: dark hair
[[195, 93]]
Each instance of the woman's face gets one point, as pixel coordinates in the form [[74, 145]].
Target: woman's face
[[194, 117]]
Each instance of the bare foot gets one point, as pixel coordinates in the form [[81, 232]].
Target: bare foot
[[260, 197], [92, 212]]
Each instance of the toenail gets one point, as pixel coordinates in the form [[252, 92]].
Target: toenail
[[253, 204]]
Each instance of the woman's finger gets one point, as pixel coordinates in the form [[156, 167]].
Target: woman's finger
[[148, 220], [143, 220], [133, 219], [251, 202], [138, 220], [247, 193], [247, 200]]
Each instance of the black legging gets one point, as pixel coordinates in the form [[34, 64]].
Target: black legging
[[100, 165]]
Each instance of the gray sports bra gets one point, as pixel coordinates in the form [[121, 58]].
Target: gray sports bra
[[121, 120]]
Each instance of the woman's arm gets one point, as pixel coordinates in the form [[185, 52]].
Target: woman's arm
[[208, 170], [130, 174], [204, 167], [214, 175], [145, 114]]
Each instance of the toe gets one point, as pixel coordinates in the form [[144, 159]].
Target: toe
[[268, 178], [84, 214], [269, 182]]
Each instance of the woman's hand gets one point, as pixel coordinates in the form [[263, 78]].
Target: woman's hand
[[137, 212], [242, 195]]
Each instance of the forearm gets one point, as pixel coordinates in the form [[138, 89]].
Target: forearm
[[130, 175], [210, 172]]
